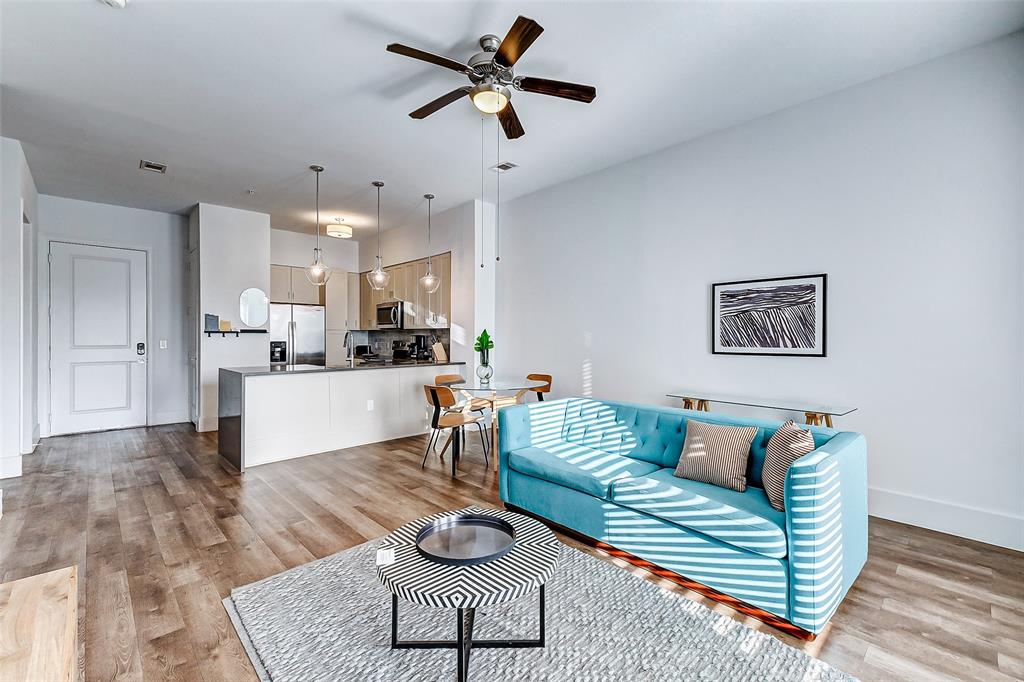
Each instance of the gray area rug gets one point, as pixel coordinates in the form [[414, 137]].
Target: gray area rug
[[331, 620]]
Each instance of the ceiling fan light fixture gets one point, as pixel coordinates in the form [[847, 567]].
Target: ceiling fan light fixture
[[490, 98]]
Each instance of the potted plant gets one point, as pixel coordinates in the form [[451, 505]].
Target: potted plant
[[483, 346]]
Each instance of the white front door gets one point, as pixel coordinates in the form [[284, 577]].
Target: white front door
[[98, 348]]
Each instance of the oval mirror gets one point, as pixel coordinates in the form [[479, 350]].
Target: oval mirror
[[253, 307]]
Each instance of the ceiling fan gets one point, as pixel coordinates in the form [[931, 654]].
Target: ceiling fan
[[491, 75]]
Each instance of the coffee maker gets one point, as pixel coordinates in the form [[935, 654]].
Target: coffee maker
[[420, 349]]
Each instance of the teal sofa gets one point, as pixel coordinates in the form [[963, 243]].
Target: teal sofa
[[604, 470]]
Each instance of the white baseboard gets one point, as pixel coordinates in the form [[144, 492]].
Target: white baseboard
[[171, 417], [994, 528], [10, 467]]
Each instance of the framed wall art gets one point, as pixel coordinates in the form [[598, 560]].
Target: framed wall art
[[775, 316]]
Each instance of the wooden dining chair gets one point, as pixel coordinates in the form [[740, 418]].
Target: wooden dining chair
[[441, 398], [452, 380], [540, 390]]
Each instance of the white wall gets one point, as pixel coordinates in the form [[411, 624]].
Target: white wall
[[296, 248], [452, 230], [18, 203], [163, 237], [906, 190], [234, 254]]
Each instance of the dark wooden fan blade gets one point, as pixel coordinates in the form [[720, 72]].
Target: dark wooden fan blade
[[522, 34], [440, 103], [510, 122], [447, 63], [543, 86]]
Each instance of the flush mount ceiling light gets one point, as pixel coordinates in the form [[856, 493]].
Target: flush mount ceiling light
[[339, 230], [489, 97], [317, 272], [377, 278], [430, 282]]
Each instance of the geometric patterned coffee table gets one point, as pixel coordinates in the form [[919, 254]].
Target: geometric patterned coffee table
[[407, 574]]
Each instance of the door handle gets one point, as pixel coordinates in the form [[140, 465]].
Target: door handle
[[394, 315], [140, 348]]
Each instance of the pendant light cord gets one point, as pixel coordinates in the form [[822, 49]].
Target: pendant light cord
[[317, 210], [378, 226], [429, 249]]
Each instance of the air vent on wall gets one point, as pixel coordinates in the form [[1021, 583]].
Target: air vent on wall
[[152, 166], [504, 167]]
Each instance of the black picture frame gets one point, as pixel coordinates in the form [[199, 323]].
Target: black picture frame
[[820, 349]]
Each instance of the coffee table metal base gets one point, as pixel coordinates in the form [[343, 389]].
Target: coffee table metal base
[[464, 641]]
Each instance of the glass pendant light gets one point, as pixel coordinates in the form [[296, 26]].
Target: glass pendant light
[[318, 272], [377, 278], [430, 282]]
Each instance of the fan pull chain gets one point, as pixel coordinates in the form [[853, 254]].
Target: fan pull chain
[[481, 191], [497, 200]]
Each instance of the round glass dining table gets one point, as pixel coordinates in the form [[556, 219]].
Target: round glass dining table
[[511, 390]]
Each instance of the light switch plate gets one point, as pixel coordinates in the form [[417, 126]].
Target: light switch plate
[[369, 406], [163, 344]]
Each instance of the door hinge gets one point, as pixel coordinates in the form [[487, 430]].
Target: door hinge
[[49, 257]]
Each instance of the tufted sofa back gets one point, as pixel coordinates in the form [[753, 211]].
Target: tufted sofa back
[[643, 432]]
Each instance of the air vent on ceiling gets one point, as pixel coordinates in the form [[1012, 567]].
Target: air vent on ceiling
[[153, 166], [504, 167]]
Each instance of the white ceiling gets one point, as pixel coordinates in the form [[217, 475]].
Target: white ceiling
[[237, 95]]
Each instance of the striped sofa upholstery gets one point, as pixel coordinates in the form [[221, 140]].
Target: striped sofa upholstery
[[604, 469]]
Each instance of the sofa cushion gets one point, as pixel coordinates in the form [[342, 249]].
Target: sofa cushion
[[577, 466], [717, 454], [788, 444], [742, 519]]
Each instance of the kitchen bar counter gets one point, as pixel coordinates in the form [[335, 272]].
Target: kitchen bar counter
[[268, 414], [261, 370]]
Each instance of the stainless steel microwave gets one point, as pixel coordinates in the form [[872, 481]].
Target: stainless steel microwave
[[389, 315]]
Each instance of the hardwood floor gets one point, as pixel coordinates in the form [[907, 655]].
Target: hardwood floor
[[160, 534]]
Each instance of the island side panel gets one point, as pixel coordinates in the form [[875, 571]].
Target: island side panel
[[294, 415], [229, 418]]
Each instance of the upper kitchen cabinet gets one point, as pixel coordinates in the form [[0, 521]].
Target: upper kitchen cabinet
[[353, 300], [421, 311], [280, 284], [336, 299], [367, 307], [289, 285], [303, 291]]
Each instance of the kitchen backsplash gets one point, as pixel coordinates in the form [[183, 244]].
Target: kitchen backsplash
[[381, 339]]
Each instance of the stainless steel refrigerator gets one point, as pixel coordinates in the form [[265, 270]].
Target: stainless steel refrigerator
[[303, 329]]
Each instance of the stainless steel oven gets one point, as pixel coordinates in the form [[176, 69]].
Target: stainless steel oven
[[389, 315]]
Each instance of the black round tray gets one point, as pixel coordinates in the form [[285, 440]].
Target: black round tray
[[466, 539]]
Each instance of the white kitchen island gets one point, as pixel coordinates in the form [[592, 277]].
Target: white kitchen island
[[268, 414]]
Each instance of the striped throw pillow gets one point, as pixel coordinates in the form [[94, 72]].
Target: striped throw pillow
[[716, 454], [784, 447]]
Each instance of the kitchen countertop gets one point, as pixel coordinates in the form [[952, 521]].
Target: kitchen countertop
[[260, 370]]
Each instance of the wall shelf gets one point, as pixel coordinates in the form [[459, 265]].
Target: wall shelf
[[236, 332]]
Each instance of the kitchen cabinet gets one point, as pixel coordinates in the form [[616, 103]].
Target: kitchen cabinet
[[336, 299], [289, 285], [280, 284], [422, 311], [353, 300], [303, 291], [367, 310]]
